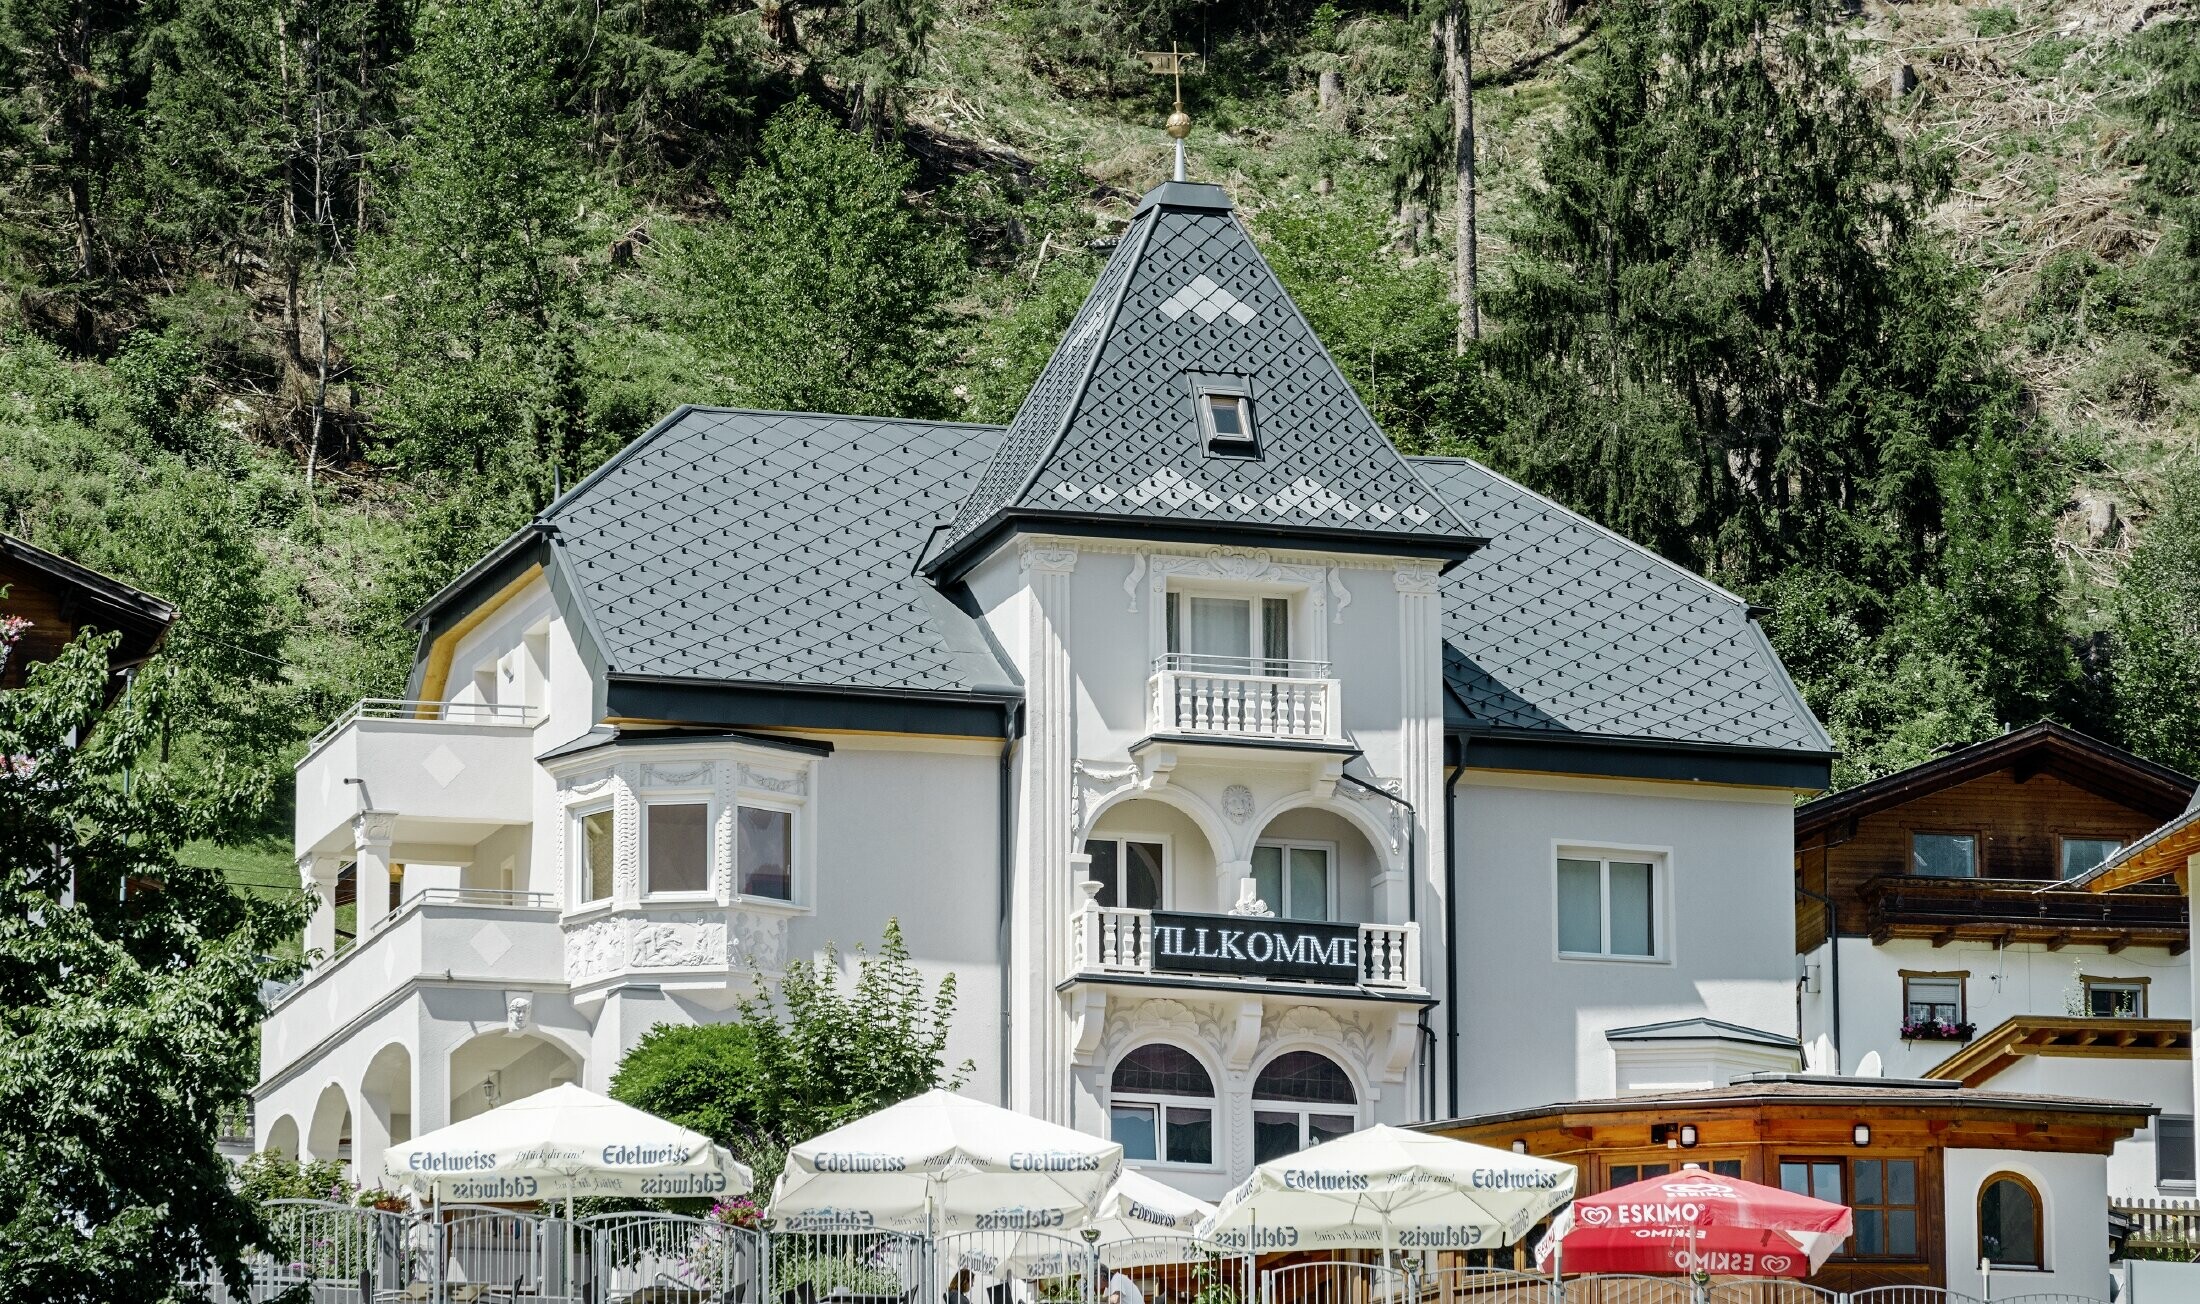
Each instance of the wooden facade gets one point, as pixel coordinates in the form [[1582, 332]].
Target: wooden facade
[[61, 599], [2019, 797], [1752, 1129]]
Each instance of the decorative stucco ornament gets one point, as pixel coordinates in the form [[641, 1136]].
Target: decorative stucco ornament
[[1237, 802], [1249, 902]]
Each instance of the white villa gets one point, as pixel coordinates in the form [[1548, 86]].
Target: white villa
[[1257, 783]]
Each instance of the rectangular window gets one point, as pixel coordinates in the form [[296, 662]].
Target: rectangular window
[[2173, 1165], [1932, 1000], [1228, 636], [1944, 855], [2115, 998], [1293, 879], [676, 842], [1134, 1128], [1130, 873], [596, 856], [1881, 1193], [2082, 854], [1226, 420], [764, 840], [1607, 908]]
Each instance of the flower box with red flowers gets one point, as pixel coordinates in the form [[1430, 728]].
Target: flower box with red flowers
[[1936, 1030]]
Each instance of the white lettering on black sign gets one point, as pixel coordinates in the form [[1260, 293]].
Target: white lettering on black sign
[[1256, 948]]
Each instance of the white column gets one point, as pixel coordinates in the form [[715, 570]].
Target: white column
[[317, 874], [1421, 768], [371, 831], [1040, 1036]]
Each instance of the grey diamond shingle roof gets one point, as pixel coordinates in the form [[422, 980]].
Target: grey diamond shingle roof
[[779, 548], [1558, 626], [1110, 429]]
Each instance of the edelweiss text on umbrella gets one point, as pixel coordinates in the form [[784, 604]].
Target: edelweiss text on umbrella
[[859, 1161], [626, 1155], [1052, 1161], [1303, 1179], [446, 1161], [1511, 1179], [496, 1188], [1456, 1237]]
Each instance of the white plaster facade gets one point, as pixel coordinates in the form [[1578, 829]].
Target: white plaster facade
[[492, 975]]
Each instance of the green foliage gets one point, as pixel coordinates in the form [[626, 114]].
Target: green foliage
[[124, 975], [472, 338], [806, 1056], [1387, 323], [2156, 630], [267, 1175], [824, 289]]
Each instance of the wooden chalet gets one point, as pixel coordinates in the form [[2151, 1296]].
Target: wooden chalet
[[1960, 848], [61, 599], [1907, 1155]]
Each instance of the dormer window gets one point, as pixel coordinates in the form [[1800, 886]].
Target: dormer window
[[1225, 407]]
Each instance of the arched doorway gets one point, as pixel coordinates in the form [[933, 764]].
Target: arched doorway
[[1149, 855], [282, 1137], [328, 1136], [499, 1067]]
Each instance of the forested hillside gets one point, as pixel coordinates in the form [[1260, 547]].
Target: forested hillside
[[1886, 318]]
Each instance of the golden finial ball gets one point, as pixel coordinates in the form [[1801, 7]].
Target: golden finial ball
[[1180, 124]]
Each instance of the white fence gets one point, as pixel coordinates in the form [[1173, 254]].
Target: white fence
[[321, 1253]]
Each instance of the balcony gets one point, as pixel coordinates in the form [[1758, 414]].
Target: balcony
[[456, 770], [1244, 698], [1113, 940], [2003, 911], [452, 936]]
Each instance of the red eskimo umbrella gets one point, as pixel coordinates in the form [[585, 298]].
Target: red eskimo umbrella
[[1694, 1221]]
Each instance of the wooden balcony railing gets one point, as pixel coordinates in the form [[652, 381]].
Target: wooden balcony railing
[[1944, 910]]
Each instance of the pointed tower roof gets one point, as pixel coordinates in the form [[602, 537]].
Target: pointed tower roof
[[1112, 441]]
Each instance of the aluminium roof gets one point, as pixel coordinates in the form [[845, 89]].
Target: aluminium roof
[[1560, 628], [1110, 430], [780, 548]]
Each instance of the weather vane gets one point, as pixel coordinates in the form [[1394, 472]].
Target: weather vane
[[1171, 63]]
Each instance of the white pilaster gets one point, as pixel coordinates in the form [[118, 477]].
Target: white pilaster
[[371, 831], [317, 874], [1041, 1027], [1421, 769]]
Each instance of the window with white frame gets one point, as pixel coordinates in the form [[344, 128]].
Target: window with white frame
[[764, 851], [1300, 1099], [1161, 1107], [1219, 634], [1296, 879], [594, 854], [1608, 907], [1131, 872], [676, 850]]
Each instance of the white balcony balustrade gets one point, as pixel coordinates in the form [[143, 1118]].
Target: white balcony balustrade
[[449, 771], [1107, 940], [435, 937], [1244, 697]]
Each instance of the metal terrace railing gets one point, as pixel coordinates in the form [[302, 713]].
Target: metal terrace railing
[[398, 708], [475, 1254], [2021, 910]]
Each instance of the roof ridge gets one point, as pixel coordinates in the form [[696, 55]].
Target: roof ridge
[[1103, 328]]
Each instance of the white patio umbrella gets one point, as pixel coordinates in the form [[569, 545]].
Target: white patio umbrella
[[558, 1144], [945, 1163], [1143, 1222], [562, 1143], [1387, 1189]]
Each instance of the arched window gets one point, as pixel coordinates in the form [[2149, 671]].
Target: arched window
[[2009, 1222], [1161, 1106], [1300, 1099]]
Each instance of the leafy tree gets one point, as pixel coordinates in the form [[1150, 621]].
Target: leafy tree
[[1719, 254], [471, 336], [124, 977], [1385, 322], [805, 1056], [824, 288], [2156, 630]]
